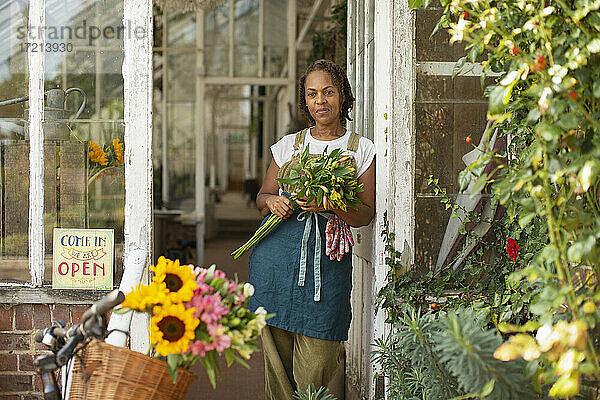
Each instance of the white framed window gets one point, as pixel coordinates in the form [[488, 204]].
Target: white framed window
[[75, 129]]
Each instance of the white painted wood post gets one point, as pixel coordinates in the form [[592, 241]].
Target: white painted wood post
[[137, 77], [35, 56], [382, 93], [402, 144]]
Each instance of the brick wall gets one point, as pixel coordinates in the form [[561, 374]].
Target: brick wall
[[18, 325]]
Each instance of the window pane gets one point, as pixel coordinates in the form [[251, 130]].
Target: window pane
[[275, 37], [181, 76], [216, 40], [83, 120], [181, 155], [14, 151], [246, 38], [181, 30]]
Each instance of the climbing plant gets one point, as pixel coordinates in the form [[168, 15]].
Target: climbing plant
[[545, 102]]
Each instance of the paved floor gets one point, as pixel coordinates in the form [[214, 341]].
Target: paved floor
[[237, 382]]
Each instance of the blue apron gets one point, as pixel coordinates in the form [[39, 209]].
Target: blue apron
[[286, 286]]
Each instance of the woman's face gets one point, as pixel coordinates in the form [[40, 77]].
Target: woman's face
[[323, 98]]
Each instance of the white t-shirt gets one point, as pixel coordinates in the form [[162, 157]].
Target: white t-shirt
[[284, 149]]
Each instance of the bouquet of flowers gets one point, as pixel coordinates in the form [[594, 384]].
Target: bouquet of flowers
[[104, 159], [197, 314], [328, 180]]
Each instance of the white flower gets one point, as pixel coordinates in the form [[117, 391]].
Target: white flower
[[543, 102], [557, 72], [529, 25], [547, 11], [567, 362], [457, 30], [510, 78], [248, 289], [516, 31], [260, 310], [546, 337], [586, 175]]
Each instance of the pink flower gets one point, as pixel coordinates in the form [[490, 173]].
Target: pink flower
[[218, 274], [222, 342], [208, 307], [200, 348], [233, 287]]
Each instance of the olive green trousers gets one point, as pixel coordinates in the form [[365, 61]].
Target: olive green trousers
[[294, 361]]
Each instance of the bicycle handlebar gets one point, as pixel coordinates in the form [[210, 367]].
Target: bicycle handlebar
[[92, 325]]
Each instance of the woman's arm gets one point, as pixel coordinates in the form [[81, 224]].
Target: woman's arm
[[364, 213], [268, 199]]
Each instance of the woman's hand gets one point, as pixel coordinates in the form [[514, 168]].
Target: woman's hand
[[280, 206], [312, 206]]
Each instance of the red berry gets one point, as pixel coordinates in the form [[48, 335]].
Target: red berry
[[434, 306], [468, 139], [466, 14], [540, 62], [514, 51], [573, 94]]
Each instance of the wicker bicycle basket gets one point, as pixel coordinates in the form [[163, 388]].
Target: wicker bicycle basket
[[119, 373]]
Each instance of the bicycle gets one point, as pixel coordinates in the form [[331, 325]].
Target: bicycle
[[66, 343]]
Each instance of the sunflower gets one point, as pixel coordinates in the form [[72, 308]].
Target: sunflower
[[180, 279], [145, 296], [172, 328], [118, 146], [96, 154]]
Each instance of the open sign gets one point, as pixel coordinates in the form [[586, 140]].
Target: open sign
[[83, 259]]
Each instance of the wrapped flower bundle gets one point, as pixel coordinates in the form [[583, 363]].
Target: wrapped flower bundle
[[339, 238], [327, 179], [196, 314]]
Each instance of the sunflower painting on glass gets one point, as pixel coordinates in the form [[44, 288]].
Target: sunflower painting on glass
[[196, 315]]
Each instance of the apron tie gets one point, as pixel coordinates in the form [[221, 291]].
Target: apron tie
[[307, 216]]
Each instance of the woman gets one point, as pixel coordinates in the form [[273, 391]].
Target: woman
[[309, 295]]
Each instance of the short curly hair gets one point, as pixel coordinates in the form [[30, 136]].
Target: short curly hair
[[340, 80]]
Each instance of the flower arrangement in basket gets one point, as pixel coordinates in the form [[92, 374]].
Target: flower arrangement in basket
[[197, 314], [329, 180]]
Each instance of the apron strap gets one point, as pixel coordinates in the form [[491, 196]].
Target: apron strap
[[308, 216], [299, 142], [353, 142]]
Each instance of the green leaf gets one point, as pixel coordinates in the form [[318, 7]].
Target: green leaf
[[474, 53], [459, 66], [525, 219], [479, 184], [173, 364], [533, 116], [596, 89], [209, 371], [569, 121], [464, 177], [229, 356], [414, 4], [488, 388], [210, 273], [549, 132], [499, 97]]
